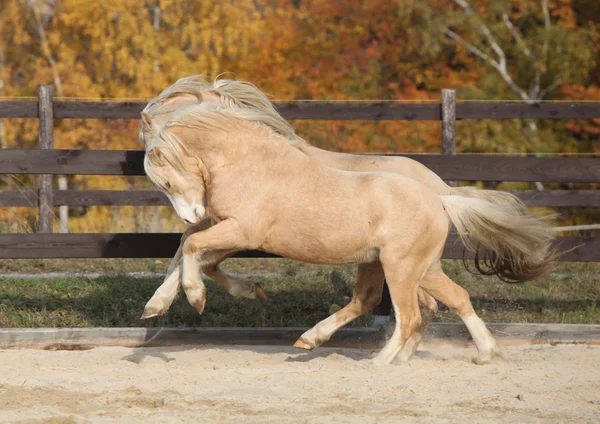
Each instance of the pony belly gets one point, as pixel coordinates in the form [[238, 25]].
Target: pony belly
[[325, 252]]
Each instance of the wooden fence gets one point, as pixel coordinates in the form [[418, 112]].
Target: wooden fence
[[47, 162]]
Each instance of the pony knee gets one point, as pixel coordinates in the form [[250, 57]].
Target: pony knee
[[410, 325]]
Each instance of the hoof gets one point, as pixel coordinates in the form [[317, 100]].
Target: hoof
[[482, 359], [199, 305], [486, 358], [150, 312], [260, 293], [404, 357], [301, 344]]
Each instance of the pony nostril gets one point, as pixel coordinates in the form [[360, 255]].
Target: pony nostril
[[187, 221]]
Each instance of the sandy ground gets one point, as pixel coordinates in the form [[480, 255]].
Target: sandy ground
[[534, 383]]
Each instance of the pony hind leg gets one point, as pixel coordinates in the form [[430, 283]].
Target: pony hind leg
[[367, 295], [441, 287]]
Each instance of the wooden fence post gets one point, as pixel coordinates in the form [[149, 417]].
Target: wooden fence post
[[46, 141], [449, 125], [63, 211]]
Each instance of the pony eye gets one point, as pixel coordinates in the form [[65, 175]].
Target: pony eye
[[167, 185]]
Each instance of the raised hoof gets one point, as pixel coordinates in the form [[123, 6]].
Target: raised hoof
[[150, 312], [301, 344], [199, 305], [260, 293]]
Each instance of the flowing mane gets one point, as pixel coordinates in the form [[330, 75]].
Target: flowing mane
[[232, 94], [209, 117]]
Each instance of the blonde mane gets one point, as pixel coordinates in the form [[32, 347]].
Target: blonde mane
[[232, 94], [203, 116]]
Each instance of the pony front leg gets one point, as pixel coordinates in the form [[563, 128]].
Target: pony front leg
[[226, 235], [235, 286], [163, 297], [402, 277]]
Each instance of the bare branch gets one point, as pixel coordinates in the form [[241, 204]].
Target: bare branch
[[500, 64], [547, 27], [486, 31], [156, 11], [472, 48], [516, 35], [550, 88], [46, 49]]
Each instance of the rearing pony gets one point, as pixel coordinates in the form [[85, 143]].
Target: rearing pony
[[264, 193], [194, 90]]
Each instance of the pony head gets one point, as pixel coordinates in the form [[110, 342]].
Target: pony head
[[181, 179]]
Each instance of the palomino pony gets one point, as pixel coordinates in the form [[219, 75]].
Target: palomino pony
[[264, 193], [193, 90]]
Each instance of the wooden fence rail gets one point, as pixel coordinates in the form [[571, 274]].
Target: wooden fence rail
[[46, 161], [30, 198], [164, 245], [328, 111], [456, 167]]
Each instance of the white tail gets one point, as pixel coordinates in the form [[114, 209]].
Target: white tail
[[511, 242]]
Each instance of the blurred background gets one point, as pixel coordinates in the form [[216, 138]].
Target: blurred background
[[514, 50]]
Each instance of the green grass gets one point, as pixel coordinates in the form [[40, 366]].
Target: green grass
[[300, 295]]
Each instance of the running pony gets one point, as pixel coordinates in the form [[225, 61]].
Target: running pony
[[263, 192], [193, 90]]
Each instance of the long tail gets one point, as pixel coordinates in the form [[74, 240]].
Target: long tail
[[504, 236], [507, 200]]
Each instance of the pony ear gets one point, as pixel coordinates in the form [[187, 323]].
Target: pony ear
[[149, 122], [146, 119], [157, 157]]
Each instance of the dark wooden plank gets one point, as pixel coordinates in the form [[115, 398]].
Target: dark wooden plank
[[459, 167], [164, 245], [46, 141], [507, 110], [360, 111], [19, 198], [559, 198], [99, 110], [321, 111], [124, 245], [18, 109], [506, 168], [89, 162], [330, 111], [87, 198], [551, 198], [111, 198]]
